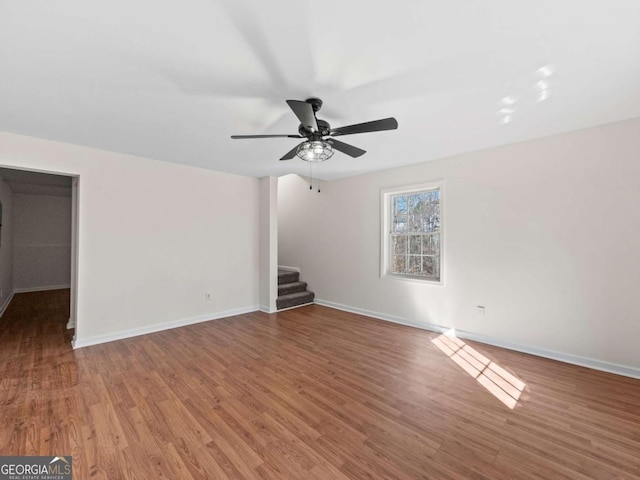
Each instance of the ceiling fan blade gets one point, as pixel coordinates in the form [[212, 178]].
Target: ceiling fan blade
[[264, 136], [345, 148], [193, 79], [374, 126], [291, 153], [304, 112]]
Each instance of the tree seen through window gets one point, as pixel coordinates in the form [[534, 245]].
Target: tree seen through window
[[415, 234]]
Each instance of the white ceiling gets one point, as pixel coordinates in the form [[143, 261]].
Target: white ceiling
[[173, 80]]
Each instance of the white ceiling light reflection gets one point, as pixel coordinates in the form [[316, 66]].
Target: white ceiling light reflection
[[542, 85], [509, 100], [545, 71], [507, 109], [529, 90], [543, 95]]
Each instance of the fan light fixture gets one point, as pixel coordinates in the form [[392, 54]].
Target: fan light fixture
[[314, 151]]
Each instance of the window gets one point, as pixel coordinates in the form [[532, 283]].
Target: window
[[412, 234]]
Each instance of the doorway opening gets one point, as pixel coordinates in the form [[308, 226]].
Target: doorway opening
[[38, 236]]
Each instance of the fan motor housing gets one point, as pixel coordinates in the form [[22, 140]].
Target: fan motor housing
[[323, 129], [315, 102]]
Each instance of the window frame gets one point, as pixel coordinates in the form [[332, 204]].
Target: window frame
[[386, 233]]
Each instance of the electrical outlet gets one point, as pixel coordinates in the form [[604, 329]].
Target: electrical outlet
[[207, 296], [480, 311]]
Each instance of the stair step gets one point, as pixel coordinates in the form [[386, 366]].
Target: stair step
[[294, 299], [293, 287], [287, 276]]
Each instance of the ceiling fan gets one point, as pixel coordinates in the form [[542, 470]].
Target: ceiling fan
[[315, 148]]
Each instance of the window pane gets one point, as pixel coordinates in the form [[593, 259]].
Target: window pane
[[414, 265], [433, 218], [430, 266], [415, 244], [414, 203], [400, 224], [435, 239], [399, 204], [418, 203], [425, 226], [427, 198], [427, 245], [399, 264], [415, 223], [399, 245]]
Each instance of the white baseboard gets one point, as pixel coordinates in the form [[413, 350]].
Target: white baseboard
[[41, 289], [71, 324], [158, 327], [593, 363], [295, 306], [265, 309], [6, 303], [289, 269]]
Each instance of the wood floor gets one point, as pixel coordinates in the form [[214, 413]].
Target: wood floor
[[308, 393]]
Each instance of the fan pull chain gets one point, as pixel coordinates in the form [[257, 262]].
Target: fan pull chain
[[311, 178]]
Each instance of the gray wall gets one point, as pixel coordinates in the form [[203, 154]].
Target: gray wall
[[42, 241], [6, 245]]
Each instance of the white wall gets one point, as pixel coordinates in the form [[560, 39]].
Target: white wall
[[41, 241], [268, 243], [544, 234], [153, 238], [6, 245]]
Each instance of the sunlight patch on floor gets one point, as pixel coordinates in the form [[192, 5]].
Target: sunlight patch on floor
[[500, 383]]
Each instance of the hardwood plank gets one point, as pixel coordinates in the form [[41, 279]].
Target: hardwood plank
[[308, 393]]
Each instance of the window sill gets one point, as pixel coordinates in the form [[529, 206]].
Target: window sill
[[414, 279]]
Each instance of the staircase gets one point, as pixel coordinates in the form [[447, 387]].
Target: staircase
[[291, 291]]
